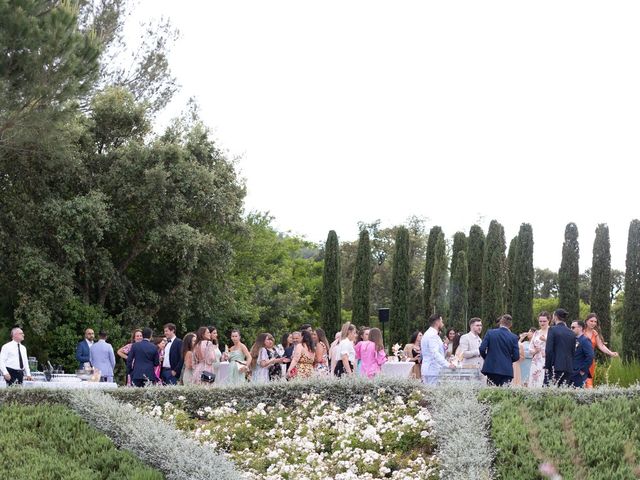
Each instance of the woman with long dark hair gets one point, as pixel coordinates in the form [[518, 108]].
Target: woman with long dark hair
[[322, 351], [413, 353], [188, 359], [371, 354], [303, 357], [204, 354]]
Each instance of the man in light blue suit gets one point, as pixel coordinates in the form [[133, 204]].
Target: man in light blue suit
[[432, 350], [102, 358]]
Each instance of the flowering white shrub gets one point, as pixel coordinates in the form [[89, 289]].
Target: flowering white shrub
[[386, 437]]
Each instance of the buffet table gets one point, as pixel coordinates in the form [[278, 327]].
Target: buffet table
[[63, 381], [397, 369]]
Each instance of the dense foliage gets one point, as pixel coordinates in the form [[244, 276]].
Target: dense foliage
[[362, 281], [475, 258], [568, 276], [522, 294], [459, 294], [434, 235], [601, 280], [399, 314], [631, 312], [493, 272], [331, 307]]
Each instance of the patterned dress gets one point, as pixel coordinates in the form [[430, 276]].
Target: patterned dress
[[536, 375], [305, 364]]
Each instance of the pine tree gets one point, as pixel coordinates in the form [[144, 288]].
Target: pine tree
[[362, 281], [438, 299], [631, 307], [508, 279], [399, 314], [459, 245], [474, 258], [569, 274], [523, 281], [493, 271], [601, 280], [434, 234], [459, 295], [331, 307]]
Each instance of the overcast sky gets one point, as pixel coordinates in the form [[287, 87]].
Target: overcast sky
[[459, 112]]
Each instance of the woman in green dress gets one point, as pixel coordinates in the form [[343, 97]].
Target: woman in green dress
[[239, 359]]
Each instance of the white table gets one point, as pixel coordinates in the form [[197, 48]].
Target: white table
[[65, 381], [397, 369]]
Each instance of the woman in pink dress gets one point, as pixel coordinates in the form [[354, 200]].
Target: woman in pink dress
[[371, 354], [160, 343], [204, 353], [536, 349], [123, 352]]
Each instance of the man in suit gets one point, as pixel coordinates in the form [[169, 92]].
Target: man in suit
[[172, 363], [559, 351], [499, 350], [142, 360], [83, 350], [469, 346], [102, 358], [432, 350], [583, 356], [296, 338]]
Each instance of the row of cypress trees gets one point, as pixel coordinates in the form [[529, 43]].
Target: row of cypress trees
[[485, 281]]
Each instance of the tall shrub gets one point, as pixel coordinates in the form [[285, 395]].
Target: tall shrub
[[523, 282], [438, 299], [362, 281], [459, 245], [493, 271], [399, 314], [459, 303], [601, 280], [474, 258], [434, 234], [331, 316], [631, 308], [569, 274], [509, 274]]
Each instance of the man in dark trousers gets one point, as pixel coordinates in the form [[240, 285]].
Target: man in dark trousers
[[172, 363], [583, 356], [142, 360], [499, 350], [561, 345]]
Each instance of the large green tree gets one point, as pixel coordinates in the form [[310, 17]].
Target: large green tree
[[493, 272], [601, 280], [523, 281], [331, 311], [459, 245], [509, 275], [438, 299], [460, 296], [631, 308], [475, 258], [569, 273], [434, 235], [399, 314], [362, 281]]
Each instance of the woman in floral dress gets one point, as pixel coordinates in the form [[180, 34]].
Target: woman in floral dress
[[304, 356], [536, 348]]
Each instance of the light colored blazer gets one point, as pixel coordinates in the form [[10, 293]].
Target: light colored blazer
[[103, 359], [432, 353], [469, 349]]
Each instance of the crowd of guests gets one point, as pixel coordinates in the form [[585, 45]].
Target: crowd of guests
[[558, 354]]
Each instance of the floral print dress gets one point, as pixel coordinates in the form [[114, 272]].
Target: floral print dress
[[536, 374]]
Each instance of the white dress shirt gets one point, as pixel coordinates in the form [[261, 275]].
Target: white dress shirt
[[167, 350], [9, 358], [432, 353]]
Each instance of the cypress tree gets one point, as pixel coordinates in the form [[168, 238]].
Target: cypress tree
[[434, 234], [493, 271], [399, 314], [569, 274], [438, 299], [523, 281], [362, 281], [631, 306], [459, 295], [601, 280], [331, 307], [459, 245], [474, 259], [508, 279]]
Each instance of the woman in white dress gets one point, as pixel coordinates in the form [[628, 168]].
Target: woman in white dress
[[536, 349]]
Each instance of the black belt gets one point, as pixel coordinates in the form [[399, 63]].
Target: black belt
[[166, 368]]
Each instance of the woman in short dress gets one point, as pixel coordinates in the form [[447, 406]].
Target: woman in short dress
[[371, 354], [595, 338], [304, 356], [322, 351], [188, 359], [239, 359], [536, 348]]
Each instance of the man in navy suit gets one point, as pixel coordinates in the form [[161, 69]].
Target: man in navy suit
[[172, 363], [561, 345], [83, 350], [583, 357], [499, 350], [142, 360]]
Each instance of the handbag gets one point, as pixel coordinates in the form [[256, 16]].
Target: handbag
[[208, 377]]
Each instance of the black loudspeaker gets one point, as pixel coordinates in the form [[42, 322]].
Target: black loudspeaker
[[383, 315]]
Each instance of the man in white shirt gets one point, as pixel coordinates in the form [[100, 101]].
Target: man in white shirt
[[14, 363], [469, 347], [433, 351], [173, 361]]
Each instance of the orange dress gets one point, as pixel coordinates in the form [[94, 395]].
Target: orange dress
[[592, 369], [305, 365]]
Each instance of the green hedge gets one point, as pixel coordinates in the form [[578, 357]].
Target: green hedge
[[586, 435], [51, 442]]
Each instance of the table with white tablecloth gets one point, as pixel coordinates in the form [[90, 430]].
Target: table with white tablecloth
[[397, 369], [63, 381]]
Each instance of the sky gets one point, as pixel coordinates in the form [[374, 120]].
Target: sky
[[457, 112]]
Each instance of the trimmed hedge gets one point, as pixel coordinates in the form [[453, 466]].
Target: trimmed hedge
[[52, 442], [585, 434]]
